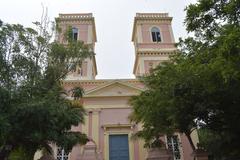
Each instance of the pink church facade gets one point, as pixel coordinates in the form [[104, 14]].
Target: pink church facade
[[106, 101]]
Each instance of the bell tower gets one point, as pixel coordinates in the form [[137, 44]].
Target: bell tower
[[153, 40], [83, 29]]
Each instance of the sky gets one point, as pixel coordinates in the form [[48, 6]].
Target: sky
[[114, 23]]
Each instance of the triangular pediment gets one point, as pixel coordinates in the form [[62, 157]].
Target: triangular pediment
[[115, 88]]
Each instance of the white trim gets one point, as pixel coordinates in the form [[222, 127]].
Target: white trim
[[139, 33], [89, 68], [112, 83], [90, 34], [126, 131], [170, 50], [142, 67], [171, 33]]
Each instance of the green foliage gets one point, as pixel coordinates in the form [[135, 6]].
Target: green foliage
[[19, 154], [77, 93], [206, 17], [210, 141], [199, 87], [33, 110]]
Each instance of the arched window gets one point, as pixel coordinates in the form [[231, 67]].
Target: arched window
[[156, 37], [75, 33]]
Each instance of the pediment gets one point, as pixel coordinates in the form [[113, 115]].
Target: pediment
[[115, 88]]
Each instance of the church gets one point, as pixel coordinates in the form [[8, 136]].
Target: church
[[106, 101]]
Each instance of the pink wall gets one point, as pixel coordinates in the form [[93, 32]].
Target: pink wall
[[90, 125], [187, 150], [89, 86], [83, 32], [84, 69], [75, 153], [82, 28], [77, 128], [147, 66], [164, 30], [111, 116], [106, 101], [139, 85], [136, 145], [114, 116]]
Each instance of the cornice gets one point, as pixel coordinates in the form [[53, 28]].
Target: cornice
[[97, 82], [107, 127], [110, 83], [157, 52], [75, 16]]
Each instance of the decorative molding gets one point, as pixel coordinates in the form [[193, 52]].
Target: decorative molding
[[93, 110], [106, 127], [75, 16], [98, 82], [157, 52], [152, 15], [101, 107], [111, 84]]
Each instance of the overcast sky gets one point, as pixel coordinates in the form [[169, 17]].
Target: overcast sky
[[114, 23]]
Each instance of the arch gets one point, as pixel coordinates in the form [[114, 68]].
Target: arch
[[156, 36]]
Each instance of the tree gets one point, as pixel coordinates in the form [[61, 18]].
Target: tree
[[198, 87], [33, 110], [77, 93]]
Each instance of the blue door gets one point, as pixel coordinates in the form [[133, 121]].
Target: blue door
[[118, 147]]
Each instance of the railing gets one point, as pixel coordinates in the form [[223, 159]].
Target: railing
[[152, 15], [75, 16]]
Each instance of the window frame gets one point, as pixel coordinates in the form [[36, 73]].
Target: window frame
[[179, 145], [160, 34], [61, 154], [73, 33]]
